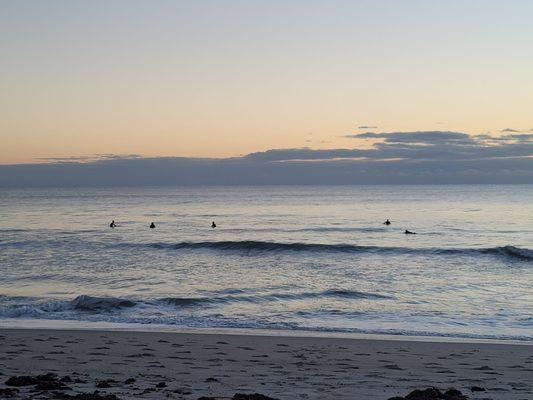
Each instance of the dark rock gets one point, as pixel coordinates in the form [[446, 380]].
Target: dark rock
[[161, 385], [454, 394], [107, 383], [8, 392], [51, 385], [25, 380], [254, 396], [433, 394], [477, 389], [85, 396], [426, 394], [211, 380], [129, 381], [206, 398], [50, 376], [21, 381], [66, 379]]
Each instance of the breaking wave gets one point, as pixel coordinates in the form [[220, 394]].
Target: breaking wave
[[17, 307], [259, 246], [511, 251], [89, 303], [265, 246]]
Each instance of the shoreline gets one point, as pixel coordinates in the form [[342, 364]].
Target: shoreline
[[71, 325], [191, 365]]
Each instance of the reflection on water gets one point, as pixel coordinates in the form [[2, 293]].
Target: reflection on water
[[316, 258]]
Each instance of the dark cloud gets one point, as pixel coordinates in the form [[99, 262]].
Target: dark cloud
[[94, 157], [117, 156], [367, 127], [509, 130], [423, 137], [429, 146], [304, 153], [523, 137], [395, 157], [65, 159]]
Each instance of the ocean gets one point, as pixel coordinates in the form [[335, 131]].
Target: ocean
[[304, 258]]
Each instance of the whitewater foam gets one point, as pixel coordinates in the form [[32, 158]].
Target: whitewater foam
[[89, 303], [27, 306]]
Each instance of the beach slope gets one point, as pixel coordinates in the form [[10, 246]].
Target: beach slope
[[163, 365]]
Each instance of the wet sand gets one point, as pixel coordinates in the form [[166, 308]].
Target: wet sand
[[162, 365]]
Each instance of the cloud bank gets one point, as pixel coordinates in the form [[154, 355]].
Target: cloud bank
[[425, 157]]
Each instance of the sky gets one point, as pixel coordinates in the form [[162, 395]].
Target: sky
[[103, 80], [421, 157]]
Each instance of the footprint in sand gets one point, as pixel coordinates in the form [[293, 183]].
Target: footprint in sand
[[393, 366]]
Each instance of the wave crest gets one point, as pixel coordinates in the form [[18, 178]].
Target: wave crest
[[90, 303], [30, 307], [250, 245], [332, 293], [512, 251], [266, 246]]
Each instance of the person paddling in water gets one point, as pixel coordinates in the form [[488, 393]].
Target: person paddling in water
[[387, 222], [213, 225], [152, 225], [112, 224], [409, 232]]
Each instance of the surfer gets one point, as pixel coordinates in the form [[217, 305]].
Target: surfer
[[387, 222], [112, 224], [407, 232], [213, 225], [152, 225]]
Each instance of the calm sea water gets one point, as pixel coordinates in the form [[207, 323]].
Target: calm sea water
[[302, 258]]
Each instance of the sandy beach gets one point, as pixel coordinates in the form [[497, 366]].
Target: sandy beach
[[160, 365]]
